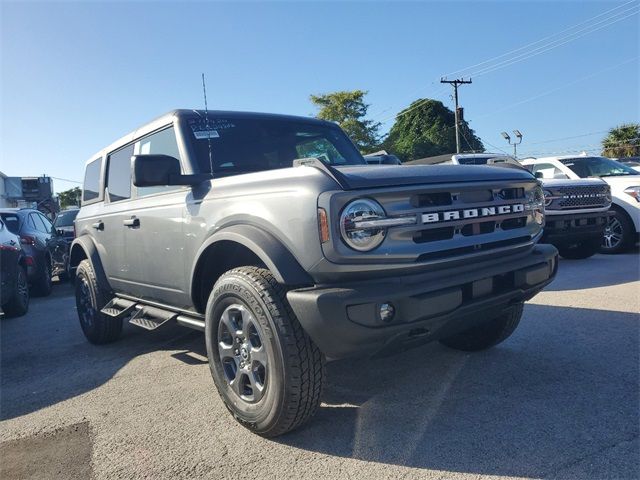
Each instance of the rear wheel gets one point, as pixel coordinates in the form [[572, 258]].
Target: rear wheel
[[42, 285], [488, 334], [19, 304], [582, 250], [91, 297], [618, 234], [267, 370]]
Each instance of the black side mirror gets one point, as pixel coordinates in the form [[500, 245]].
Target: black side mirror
[[539, 174], [160, 170]]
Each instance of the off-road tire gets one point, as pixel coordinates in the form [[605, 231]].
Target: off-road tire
[[42, 285], [296, 370], [628, 233], [487, 334], [19, 304], [96, 326], [582, 250]]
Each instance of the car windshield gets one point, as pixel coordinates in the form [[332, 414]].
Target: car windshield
[[65, 219], [597, 167], [242, 145], [12, 221]]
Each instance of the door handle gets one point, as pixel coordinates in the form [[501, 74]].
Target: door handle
[[133, 222], [99, 225]]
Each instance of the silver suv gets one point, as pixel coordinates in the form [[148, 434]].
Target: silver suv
[[272, 235]]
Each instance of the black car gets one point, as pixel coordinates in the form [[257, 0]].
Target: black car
[[41, 243], [64, 225], [14, 291]]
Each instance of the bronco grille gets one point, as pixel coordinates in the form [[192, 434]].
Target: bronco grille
[[451, 221], [585, 196]]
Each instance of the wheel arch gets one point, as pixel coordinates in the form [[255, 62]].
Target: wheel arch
[[237, 246], [621, 208], [84, 248]]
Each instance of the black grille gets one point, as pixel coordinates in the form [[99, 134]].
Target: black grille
[[587, 196]]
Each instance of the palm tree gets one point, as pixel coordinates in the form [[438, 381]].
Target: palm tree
[[622, 141]]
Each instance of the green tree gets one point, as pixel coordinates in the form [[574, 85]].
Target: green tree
[[348, 109], [622, 141], [70, 198], [427, 128]]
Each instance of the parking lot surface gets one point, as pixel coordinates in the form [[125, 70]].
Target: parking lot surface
[[559, 399]]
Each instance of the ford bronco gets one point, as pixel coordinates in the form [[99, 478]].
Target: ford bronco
[[272, 235]]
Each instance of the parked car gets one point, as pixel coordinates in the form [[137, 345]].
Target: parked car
[[623, 227], [213, 221], [41, 242], [65, 227], [576, 210], [382, 159], [14, 288], [633, 162]]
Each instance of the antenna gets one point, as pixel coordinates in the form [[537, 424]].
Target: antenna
[[206, 125]]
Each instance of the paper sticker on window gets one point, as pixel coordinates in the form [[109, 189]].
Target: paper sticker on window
[[204, 134]]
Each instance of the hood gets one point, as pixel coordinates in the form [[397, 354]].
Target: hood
[[566, 182], [623, 181], [363, 176]]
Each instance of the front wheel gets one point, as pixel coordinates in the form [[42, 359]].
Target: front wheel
[[19, 303], [267, 370], [43, 285], [487, 334], [618, 234]]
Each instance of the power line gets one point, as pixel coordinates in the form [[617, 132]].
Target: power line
[[524, 47], [66, 180]]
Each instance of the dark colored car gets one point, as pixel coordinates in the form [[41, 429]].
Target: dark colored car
[[14, 291], [41, 242], [64, 225]]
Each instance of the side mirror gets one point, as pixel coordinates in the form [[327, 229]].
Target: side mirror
[[161, 170], [539, 174]]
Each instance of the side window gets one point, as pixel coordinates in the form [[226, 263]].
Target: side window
[[91, 186], [549, 170], [47, 224], [119, 174], [38, 223], [162, 142]]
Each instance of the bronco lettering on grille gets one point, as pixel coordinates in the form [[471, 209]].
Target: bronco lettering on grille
[[471, 213]]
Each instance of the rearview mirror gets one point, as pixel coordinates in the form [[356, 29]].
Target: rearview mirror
[[161, 170]]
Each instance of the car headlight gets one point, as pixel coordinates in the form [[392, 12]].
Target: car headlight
[[634, 192], [358, 225], [535, 204]]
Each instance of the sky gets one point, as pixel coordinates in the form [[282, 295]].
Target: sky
[[75, 76]]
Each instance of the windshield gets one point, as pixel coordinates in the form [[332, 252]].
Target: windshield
[[65, 219], [12, 221], [597, 167], [241, 145]]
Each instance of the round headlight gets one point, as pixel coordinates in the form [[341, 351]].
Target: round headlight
[[355, 233], [535, 203]]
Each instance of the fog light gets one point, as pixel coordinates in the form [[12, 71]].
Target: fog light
[[387, 312]]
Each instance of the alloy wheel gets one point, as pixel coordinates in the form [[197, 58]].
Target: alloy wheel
[[242, 353], [86, 311], [613, 233]]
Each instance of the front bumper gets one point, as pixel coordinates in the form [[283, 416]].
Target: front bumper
[[570, 229], [343, 319]]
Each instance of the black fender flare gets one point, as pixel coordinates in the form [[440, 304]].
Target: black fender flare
[[87, 245], [278, 259]]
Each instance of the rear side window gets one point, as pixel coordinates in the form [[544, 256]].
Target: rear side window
[[12, 222], [91, 189], [119, 174]]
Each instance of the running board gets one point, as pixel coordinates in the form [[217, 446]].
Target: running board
[[118, 308], [151, 318]]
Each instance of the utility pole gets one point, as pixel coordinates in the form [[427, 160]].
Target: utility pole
[[455, 83]]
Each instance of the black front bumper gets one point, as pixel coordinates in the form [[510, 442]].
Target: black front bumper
[[344, 320], [571, 229]]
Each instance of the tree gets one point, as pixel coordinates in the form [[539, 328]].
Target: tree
[[348, 109], [427, 128], [70, 198], [622, 141]]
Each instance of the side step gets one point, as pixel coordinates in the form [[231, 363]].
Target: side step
[[118, 308], [151, 318]]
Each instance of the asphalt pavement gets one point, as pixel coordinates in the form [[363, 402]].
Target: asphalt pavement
[[559, 399]]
